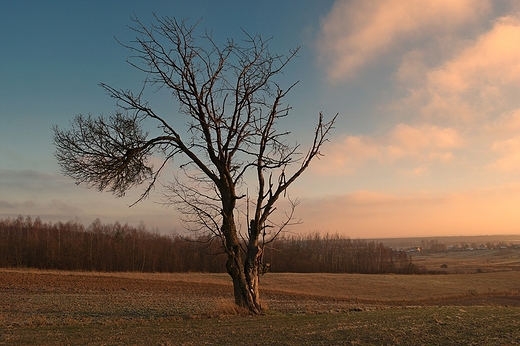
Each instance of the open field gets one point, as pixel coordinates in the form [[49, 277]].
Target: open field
[[50, 307], [476, 261], [451, 240]]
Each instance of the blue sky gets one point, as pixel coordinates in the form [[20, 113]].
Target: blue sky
[[427, 140]]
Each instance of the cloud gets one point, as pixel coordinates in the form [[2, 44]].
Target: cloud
[[56, 198], [506, 124], [64, 208], [6, 204], [453, 103], [348, 155], [475, 90], [355, 33], [414, 141], [509, 152], [32, 181], [478, 82], [424, 143], [370, 214], [503, 140]]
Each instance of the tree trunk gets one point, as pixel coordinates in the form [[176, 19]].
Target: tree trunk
[[252, 268], [245, 289], [244, 275]]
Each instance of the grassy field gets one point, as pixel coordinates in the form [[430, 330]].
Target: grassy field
[[76, 308]]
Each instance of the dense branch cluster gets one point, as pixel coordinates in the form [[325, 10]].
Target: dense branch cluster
[[106, 153]]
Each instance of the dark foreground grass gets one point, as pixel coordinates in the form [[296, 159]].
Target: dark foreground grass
[[471, 325]]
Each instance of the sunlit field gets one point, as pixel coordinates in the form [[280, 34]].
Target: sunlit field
[[476, 261], [57, 307]]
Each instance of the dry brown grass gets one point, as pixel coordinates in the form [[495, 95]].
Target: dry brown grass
[[354, 287], [392, 288], [51, 307], [285, 292], [226, 307], [470, 261]]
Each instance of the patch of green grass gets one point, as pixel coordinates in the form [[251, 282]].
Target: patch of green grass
[[399, 326]]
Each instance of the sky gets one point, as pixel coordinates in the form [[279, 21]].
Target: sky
[[426, 143]]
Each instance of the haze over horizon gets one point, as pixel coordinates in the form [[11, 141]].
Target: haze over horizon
[[427, 142]]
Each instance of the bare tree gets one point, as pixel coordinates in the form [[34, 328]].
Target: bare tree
[[230, 147]]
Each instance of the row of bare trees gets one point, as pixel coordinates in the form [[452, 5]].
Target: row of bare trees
[[327, 253], [25, 242], [98, 247]]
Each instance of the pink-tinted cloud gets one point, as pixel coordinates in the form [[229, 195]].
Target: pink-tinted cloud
[[480, 81], [425, 143], [358, 32], [475, 90], [414, 141], [507, 124], [347, 156], [509, 155]]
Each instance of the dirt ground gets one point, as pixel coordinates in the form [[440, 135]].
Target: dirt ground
[[69, 308], [90, 296]]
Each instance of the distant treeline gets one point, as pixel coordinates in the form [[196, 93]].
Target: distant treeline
[[25, 242], [335, 254]]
